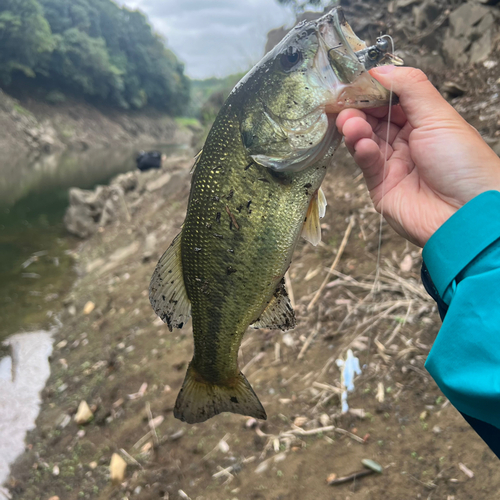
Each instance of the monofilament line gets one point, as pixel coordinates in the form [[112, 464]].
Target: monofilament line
[[384, 172]]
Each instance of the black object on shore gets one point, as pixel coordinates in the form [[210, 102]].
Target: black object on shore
[[148, 160]]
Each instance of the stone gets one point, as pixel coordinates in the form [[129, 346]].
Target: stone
[[426, 14], [84, 413], [88, 307], [127, 182], [117, 468], [452, 89], [465, 17], [454, 49], [481, 48], [150, 244], [78, 220]]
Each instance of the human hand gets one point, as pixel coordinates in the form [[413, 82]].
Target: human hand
[[436, 161]]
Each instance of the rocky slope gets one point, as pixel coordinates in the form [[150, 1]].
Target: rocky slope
[[32, 127]]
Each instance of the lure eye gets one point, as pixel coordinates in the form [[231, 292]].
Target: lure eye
[[373, 54], [290, 58]]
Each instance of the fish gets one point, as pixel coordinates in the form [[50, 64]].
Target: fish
[[256, 188]]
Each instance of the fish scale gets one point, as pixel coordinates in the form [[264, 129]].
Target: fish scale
[[268, 231]]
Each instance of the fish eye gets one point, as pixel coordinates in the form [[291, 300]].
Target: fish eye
[[290, 58]]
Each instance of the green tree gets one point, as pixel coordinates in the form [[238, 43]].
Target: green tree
[[92, 47], [25, 38], [83, 63]]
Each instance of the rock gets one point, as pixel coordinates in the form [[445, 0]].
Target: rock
[[149, 247], [325, 420], [406, 264], [55, 470], [426, 14], [117, 469], [481, 48], [127, 182], [465, 17], [454, 49], [93, 465], [452, 89], [89, 307], [84, 413]]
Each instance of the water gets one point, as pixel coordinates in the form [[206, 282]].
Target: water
[[36, 270], [35, 265]]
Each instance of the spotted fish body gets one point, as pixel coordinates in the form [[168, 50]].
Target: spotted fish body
[[255, 189]]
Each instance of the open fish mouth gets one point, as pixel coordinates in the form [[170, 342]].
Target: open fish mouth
[[342, 61]]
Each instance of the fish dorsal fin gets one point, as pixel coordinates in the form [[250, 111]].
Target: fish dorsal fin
[[316, 211], [167, 292], [279, 312]]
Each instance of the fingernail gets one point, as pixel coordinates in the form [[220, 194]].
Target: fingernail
[[382, 70]]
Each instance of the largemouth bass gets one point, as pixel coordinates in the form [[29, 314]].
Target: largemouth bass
[[255, 190]]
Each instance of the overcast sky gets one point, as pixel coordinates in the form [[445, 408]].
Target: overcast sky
[[214, 37]]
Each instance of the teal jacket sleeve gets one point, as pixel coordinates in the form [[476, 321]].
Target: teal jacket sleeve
[[463, 261]]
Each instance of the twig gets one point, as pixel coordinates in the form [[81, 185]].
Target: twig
[[130, 458], [210, 453], [350, 477], [307, 343], [335, 262], [152, 426], [254, 360]]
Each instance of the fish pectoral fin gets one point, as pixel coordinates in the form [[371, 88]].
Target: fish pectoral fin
[[311, 230], [279, 313], [199, 400], [167, 292]]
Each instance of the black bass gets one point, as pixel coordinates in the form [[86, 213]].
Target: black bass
[[255, 190]]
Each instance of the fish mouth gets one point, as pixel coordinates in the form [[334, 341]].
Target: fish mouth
[[342, 72]]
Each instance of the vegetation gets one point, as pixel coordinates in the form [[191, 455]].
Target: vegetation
[[92, 47], [207, 96]]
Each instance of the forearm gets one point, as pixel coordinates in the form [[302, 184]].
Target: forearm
[[463, 260]]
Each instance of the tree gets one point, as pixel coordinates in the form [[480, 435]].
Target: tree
[[25, 38], [92, 47]]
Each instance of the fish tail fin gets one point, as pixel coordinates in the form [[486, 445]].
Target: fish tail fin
[[199, 400]]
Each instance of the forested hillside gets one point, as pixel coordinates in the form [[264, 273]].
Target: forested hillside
[[90, 47]]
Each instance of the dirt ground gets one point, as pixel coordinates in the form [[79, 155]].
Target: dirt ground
[[121, 360]]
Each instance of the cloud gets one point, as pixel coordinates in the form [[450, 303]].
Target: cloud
[[214, 37]]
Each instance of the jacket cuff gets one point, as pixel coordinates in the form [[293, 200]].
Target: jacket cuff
[[461, 238]]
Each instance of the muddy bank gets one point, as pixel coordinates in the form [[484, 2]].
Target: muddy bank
[[33, 128], [114, 354]]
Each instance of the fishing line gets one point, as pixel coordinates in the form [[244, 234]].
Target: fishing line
[[384, 172]]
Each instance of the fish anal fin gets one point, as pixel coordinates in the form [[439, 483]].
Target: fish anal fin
[[279, 313], [167, 292], [199, 400], [311, 230]]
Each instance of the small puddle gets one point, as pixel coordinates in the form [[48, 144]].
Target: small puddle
[[23, 374]]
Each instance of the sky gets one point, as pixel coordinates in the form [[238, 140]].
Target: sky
[[214, 37]]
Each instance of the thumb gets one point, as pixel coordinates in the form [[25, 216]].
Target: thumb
[[420, 100]]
